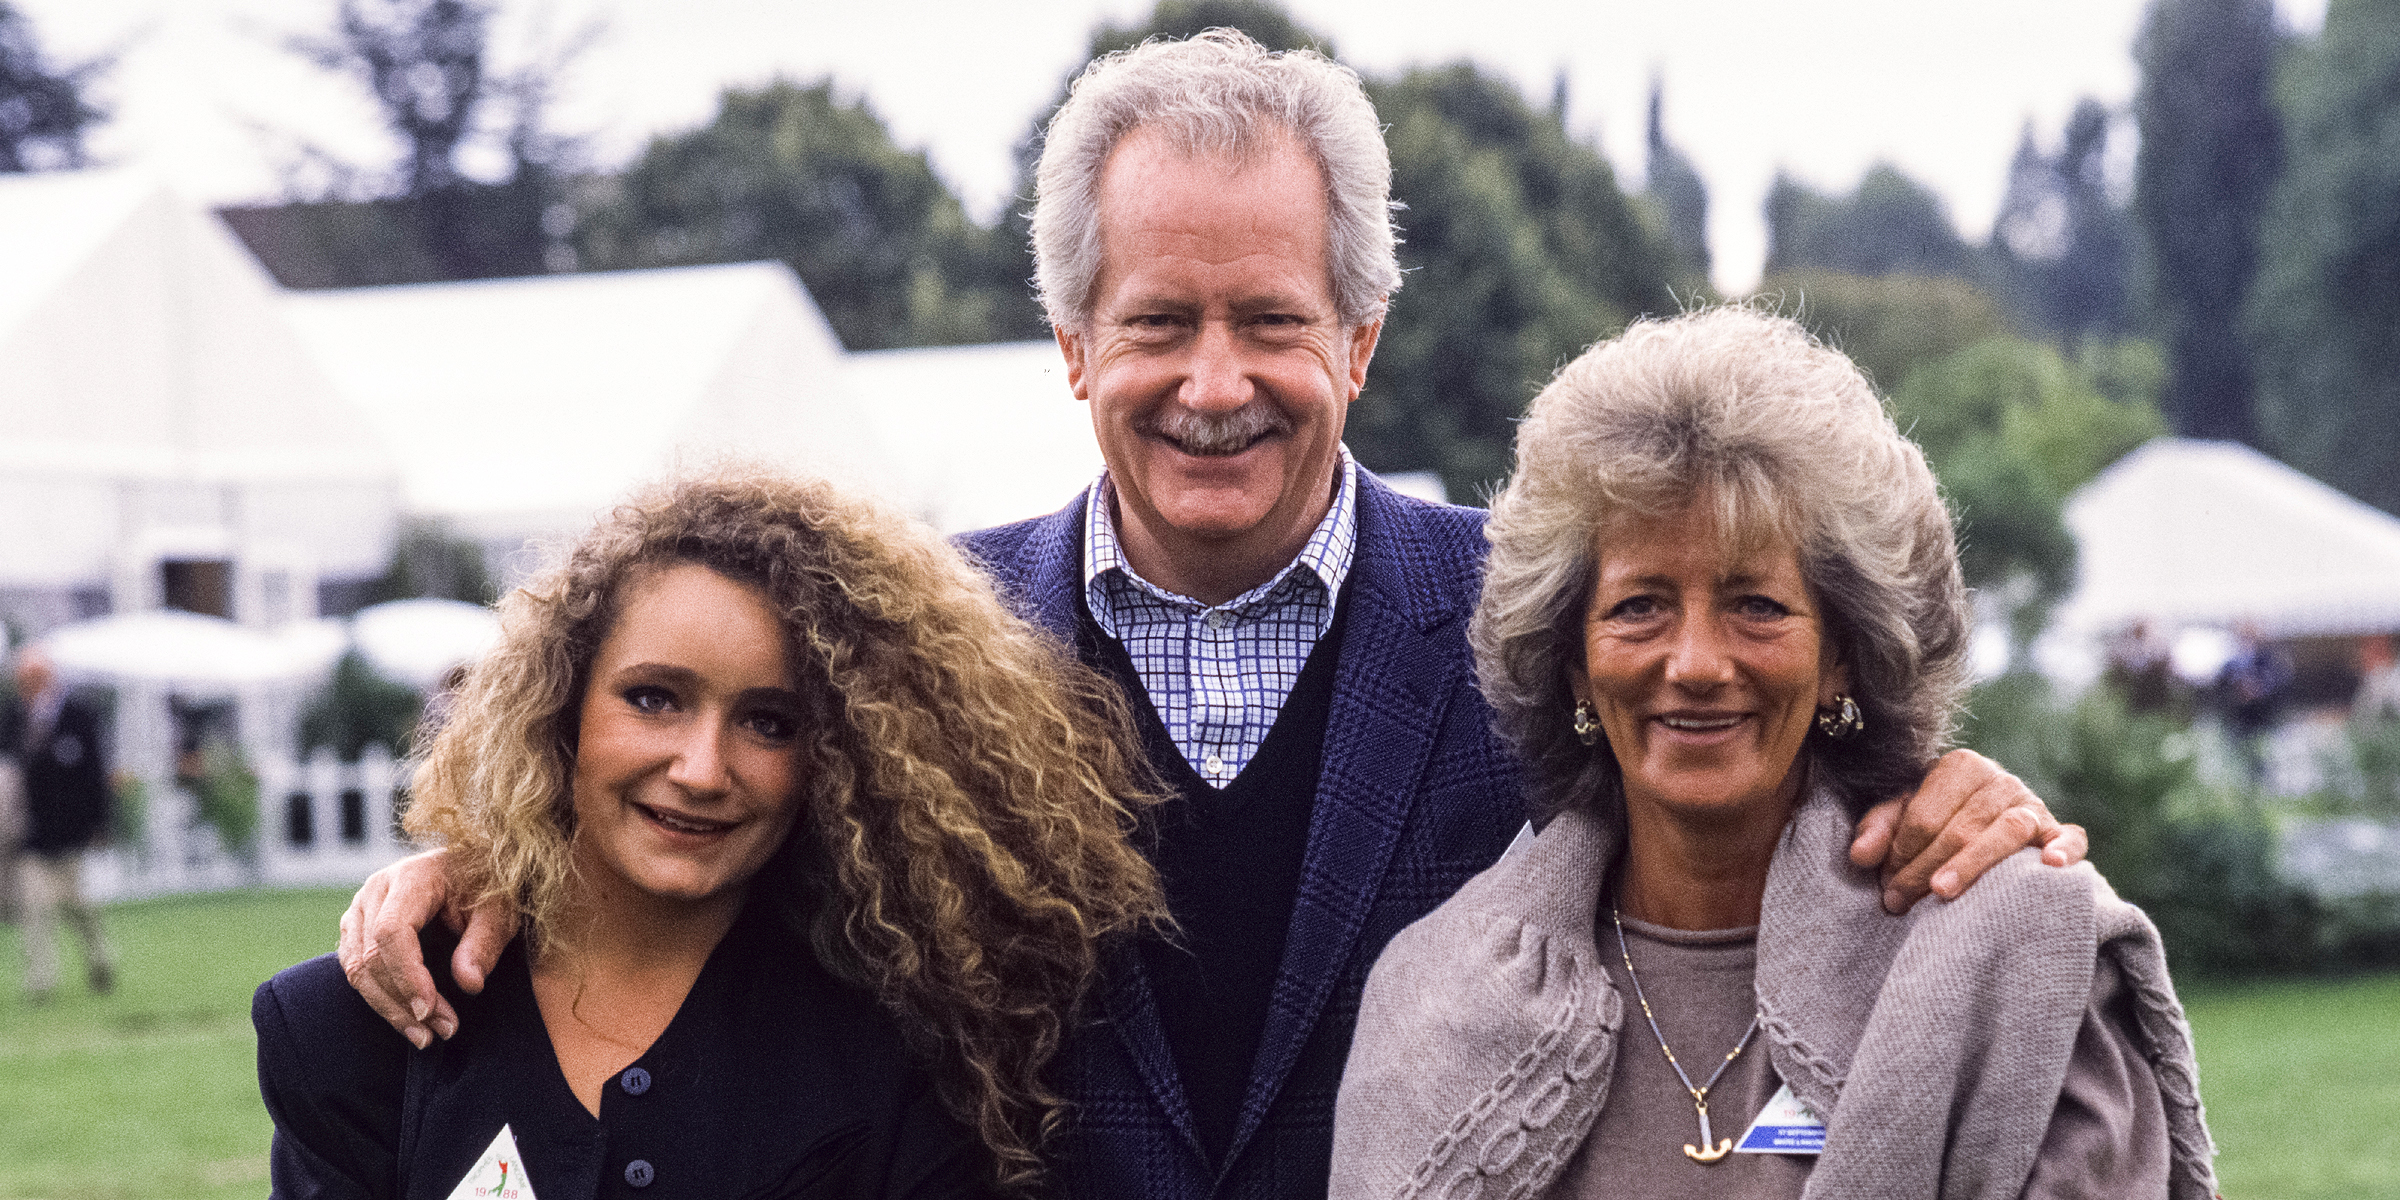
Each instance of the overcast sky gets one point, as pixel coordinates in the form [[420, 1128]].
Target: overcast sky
[[204, 95]]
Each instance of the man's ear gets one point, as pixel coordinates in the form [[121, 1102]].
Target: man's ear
[[1070, 344], [1362, 350]]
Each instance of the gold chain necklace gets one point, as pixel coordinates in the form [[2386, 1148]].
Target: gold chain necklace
[[1708, 1151]]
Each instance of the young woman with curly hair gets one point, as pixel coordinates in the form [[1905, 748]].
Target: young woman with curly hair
[[813, 845]]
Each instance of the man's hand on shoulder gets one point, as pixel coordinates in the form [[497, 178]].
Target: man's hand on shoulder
[[1967, 815], [383, 956]]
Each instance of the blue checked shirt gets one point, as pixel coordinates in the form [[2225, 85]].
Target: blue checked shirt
[[1218, 676]]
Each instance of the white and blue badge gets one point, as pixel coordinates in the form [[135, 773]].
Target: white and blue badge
[[1784, 1126]]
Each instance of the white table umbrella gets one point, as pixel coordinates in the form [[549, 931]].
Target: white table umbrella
[[187, 650], [417, 642]]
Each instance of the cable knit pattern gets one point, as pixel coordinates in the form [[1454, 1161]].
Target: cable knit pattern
[[1515, 999], [1935, 1044]]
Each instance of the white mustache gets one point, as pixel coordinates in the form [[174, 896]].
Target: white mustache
[[1208, 434]]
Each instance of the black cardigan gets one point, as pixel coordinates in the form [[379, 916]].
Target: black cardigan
[[773, 1080]]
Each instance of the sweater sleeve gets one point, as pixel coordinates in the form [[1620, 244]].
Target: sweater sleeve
[[333, 1076], [2108, 1135]]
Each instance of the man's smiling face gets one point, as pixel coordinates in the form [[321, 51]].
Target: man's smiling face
[[1215, 360]]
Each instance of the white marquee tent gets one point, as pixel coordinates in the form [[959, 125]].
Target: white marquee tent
[[981, 435], [155, 406], [2207, 534], [519, 408]]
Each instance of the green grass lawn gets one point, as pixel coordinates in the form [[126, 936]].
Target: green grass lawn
[[2302, 1083], [151, 1093]]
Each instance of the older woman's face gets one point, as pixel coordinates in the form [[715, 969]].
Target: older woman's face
[[686, 767], [1705, 668]]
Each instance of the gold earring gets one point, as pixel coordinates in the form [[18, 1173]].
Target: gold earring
[[1841, 719], [1586, 723]]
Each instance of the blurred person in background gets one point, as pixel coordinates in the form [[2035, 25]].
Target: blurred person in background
[[1214, 243], [67, 798], [2378, 695], [2251, 686], [815, 844], [1724, 615], [2141, 668]]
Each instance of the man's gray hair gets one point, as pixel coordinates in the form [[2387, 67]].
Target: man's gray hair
[[1745, 412], [1220, 95]]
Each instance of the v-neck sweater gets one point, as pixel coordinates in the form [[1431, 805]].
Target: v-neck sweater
[[1229, 860]]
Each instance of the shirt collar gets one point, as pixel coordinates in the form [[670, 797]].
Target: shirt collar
[[1327, 555]]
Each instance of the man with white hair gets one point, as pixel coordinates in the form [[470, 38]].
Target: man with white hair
[[1214, 245]]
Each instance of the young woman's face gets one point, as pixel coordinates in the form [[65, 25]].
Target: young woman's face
[[686, 776]]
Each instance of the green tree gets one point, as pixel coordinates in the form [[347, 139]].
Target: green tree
[[2012, 428], [1521, 249], [1889, 225], [429, 560], [44, 112], [2061, 251], [1888, 324], [2326, 317], [1676, 193], [426, 64], [2211, 148], [804, 174], [357, 708]]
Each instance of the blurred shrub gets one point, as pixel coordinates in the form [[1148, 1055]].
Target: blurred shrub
[[228, 793], [2199, 858], [2364, 777], [129, 814], [356, 708]]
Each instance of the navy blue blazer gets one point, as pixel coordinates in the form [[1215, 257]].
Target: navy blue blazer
[[1417, 794]]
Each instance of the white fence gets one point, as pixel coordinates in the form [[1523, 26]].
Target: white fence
[[320, 822]]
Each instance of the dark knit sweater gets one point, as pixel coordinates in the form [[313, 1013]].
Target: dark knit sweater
[[1230, 862]]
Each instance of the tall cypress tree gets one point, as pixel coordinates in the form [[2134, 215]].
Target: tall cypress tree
[[2211, 149], [1676, 190], [2328, 299]]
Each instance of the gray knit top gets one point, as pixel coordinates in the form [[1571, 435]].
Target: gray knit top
[[1934, 1044]]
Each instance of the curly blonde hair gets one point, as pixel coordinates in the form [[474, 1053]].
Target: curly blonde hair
[[1742, 410], [968, 788]]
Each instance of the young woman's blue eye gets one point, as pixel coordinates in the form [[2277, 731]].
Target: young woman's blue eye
[[649, 698], [773, 726]]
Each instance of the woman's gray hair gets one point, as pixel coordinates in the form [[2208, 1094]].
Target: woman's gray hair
[[1220, 95], [1783, 437]]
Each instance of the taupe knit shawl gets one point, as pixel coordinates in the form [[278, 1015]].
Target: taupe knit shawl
[[1935, 1043]]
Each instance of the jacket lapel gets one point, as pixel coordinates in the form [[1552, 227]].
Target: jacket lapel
[[1044, 577], [1391, 685]]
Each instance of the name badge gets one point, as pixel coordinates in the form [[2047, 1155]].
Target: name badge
[[498, 1175], [1784, 1126]]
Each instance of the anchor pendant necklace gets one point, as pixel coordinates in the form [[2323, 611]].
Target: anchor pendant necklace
[[1709, 1150]]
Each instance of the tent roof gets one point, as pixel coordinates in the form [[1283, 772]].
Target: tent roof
[[550, 397], [139, 340], [51, 222], [2210, 533], [981, 435]]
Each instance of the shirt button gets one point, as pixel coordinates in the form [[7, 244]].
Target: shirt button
[[1216, 764], [1217, 620], [635, 1081], [639, 1174]]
